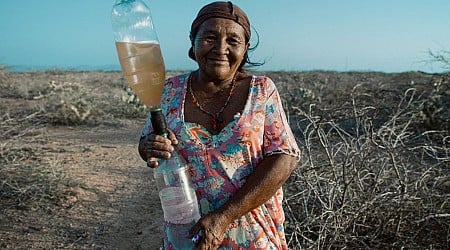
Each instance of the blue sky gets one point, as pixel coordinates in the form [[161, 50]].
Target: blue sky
[[375, 35]]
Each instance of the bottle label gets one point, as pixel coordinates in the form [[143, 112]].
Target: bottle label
[[179, 205]]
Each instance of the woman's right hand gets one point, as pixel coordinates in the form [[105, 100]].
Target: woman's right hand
[[153, 147]]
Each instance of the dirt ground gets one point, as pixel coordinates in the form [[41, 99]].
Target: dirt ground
[[108, 199], [116, 206]]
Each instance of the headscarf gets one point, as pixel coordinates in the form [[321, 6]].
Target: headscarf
[[219, 10]]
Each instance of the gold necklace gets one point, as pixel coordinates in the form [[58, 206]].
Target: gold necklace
[[216, 118]]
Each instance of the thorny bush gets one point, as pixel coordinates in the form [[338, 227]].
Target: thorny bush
[[373, 175]]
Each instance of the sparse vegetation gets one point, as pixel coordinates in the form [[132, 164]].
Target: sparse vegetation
[[441, 57], [375, 165], [374, 172]]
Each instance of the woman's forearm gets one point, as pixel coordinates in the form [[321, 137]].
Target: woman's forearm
[[260, 186]]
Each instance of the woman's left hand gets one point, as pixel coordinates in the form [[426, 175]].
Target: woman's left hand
[[212, 227]]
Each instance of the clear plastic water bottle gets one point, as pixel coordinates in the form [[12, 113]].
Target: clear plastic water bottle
[[143, 67], [178, 198], [138, 50]]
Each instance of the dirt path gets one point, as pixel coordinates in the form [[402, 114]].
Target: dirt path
[[115, 205]]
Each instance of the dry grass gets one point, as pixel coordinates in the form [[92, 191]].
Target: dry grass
[[30, 177], [374, 172]]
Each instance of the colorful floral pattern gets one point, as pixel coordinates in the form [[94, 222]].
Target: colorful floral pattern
[[220, 163]]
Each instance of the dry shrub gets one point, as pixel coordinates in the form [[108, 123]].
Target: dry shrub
[[69, 98], [30, 179], [374, 172], [30, 176], [67, 103], [373, 175], [26, 181]]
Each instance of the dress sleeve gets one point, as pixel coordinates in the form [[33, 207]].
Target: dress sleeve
[[278, 136]]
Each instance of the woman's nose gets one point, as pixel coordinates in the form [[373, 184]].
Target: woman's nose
[[221, 46]]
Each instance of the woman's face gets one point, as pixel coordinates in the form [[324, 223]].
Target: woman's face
[[219, 48]]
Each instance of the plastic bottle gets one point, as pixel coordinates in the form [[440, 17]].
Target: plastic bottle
[[138, 50], [178, 198], [143, 67]]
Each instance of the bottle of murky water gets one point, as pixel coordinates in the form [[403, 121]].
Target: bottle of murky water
[[138, 50], [143, 67], [178, 198]]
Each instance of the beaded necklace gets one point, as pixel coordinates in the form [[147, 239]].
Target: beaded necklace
[[216, 118]]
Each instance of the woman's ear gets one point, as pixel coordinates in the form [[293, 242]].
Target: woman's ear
[[192, 39], [191, 50], [191, 53]]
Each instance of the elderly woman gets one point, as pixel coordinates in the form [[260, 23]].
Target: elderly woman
[[232, 130]]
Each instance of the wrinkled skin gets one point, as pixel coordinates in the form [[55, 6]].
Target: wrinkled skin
[[219, 49]]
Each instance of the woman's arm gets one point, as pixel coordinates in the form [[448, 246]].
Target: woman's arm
[[260, 186]]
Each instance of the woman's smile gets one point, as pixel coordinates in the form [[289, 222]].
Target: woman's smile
[[237, 171], [219, 48], [218, 60]]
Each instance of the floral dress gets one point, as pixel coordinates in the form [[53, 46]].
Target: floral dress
[[220, 163]]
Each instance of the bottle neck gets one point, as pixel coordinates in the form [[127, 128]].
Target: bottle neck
[[158, 122]]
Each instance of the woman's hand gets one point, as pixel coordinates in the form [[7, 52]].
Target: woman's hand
[[153, 147], [260, 186], [213, 227]]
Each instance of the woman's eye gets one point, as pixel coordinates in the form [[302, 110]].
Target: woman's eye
[[209, 38], [233, 41]]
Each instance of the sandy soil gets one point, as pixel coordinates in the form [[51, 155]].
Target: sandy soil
[[116, 207], [112, 202]]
